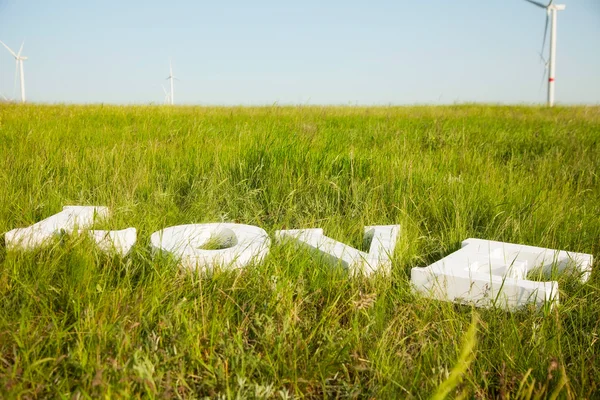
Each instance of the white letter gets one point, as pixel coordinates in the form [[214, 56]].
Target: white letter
[[70, 218], [120, 242], [383, 241], [489, 273], [241, 244]]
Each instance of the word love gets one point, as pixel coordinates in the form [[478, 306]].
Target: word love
[[483, 272]]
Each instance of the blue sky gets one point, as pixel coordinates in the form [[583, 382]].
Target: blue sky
[[303, 52]]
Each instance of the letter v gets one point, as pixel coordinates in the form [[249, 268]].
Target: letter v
[[383, 241]]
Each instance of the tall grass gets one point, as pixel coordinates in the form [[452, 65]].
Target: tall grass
[[77, 323]]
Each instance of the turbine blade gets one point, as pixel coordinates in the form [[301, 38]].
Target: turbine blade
[[545, 34], [21, 49], [8, 48], [535, 3], [544, 74]]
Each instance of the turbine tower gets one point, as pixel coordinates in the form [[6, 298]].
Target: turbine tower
[[19, 67], [551, 13], [171, 78]]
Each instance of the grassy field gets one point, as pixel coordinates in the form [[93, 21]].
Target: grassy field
[[75, 323]]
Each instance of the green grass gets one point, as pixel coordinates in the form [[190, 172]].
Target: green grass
[[75, 323]]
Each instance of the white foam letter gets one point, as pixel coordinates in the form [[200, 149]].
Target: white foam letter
[[240, 244], [383, 241], [489, 273], [70, 218], [119, 242]]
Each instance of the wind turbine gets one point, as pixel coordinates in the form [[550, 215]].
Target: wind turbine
[[19, 67], [551, 13], [171, 78]]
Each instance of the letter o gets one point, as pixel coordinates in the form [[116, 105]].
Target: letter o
[[245, 244]]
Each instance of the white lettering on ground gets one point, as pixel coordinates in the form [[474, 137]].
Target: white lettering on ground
[[119, 242], [69, 219], [383, 241], [488, 273], [237, 245]]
